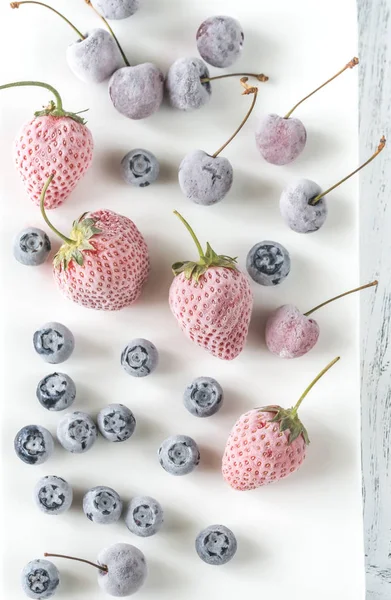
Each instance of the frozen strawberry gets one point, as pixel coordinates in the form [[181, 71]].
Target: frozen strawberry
[[104, 262], [212, 301], [54, 142], [266, 444]]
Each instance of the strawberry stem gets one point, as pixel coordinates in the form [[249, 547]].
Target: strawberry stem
[[259, 77], [193, 235], [111, 31], [42, 207], [311, 385], [38, 84], [350, 65], [362, 287], [83, 560], [17, 4]]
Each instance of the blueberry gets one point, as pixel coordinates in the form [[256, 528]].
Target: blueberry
[[140, 358], [205, 179], [95, 58], [220, 40], [116, 422], [116, 9], [56, 391], [216, 545], [31, 246], [137, 92], [183, 84], [40, 579], [76, 432], [203, 397], [34, 444], [268, 263], [297, 211], [54, 342], [179, 455], [140, 167], [53, 495], [144, 516], [102, 505]]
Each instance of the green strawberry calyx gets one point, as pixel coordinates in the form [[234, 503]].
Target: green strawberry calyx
[[209, 258]]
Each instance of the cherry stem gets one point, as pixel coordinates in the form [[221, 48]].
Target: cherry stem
[[111, 31], [248, 90], [311, 385], [42, 207], [17, 4], [37, 84], [83, 560], [362, 287], [259, 77], [193, 235], [350, 65], [379, 149]]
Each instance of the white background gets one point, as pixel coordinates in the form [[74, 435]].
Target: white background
[[303, 536]]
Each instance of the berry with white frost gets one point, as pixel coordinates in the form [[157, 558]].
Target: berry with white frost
[[53, 495], [54, 342], [140, 357], [34, 444], [31, 247], [144, 516], [216, 545], [56, 391], [102, 505], [268, 263], [76, 432], [116, 9], [203, 397], [220, 40], [140, 167], [179, 455], [40, 579], [116, 422]]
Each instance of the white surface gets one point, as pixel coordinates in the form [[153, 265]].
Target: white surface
[[303, 536]]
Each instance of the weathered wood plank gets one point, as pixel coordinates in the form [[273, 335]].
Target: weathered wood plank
[[375, 309]]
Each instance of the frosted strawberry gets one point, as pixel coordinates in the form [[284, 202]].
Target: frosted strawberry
[[212, 301], [266, 444], [104, 262], [54, 142]]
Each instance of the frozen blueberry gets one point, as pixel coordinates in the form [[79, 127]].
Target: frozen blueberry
[[183, 84], [268, 263], [140, 167], [144, 516], [76, 432], [140, 358], [220, 40], [126, 570], [40, 579], [34, 444], [296, 208], [56, 391], [179, 455], [204, 179], [203, 397], [31, 246], [95, 58], [116, 422], [216, 545], [116, 9], [102, 505], [54, 342], [137, 92], [53, 495]]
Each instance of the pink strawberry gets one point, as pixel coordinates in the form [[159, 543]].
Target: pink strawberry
[[54, 142], [104, 262], [266, 444], [212, 301]]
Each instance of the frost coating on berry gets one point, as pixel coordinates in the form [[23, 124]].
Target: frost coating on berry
[[40, 579], [34, 444], [95, 58], [280, 140], [102, 505], [76, 432], [268, 263], [140, 357], [137, 92], [203, 397], [140, 167], [144, 516], [204, 179], [31, 246], [127, 570], [179, 455], [54, 342], [56, 391], [53, 495], [296, 210], [116, 422], [220, 40], [183, 84], [116, 9], [216, 545], [289, 333]]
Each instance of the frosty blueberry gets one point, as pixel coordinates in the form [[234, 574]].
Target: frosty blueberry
[[144, 516], [179, 455], [53, 495], [203, 397], [76, 432], [140, 358], [102, 505], [56, 391], [184, 85], [31, 246], [34, 444], [116, 9], [216, 545], [40, 579], [220, 40], [54, 342], [140, 167], [116, 422], [268, 263]]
